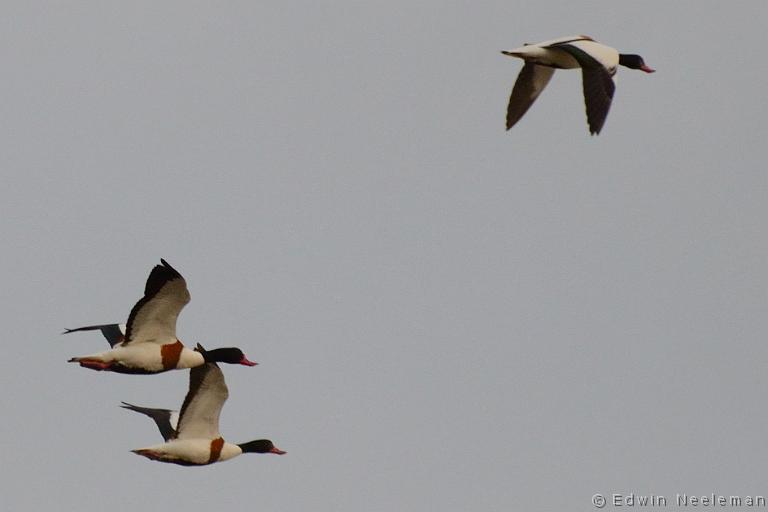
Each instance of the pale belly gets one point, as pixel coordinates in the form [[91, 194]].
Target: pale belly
[[189, 452], [147, 358]]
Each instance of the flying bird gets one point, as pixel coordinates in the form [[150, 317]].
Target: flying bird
[[598, 64], [147, 343], [194, 439]]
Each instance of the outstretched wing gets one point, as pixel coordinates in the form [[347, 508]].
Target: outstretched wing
[[153, 318], [598, 86], [199, 417], [530, 82], [165, 419], [115, 333]]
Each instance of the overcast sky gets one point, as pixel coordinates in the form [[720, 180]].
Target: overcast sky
[[447, 316]]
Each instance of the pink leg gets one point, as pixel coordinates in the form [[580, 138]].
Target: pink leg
[[150, 454], [94, 364]]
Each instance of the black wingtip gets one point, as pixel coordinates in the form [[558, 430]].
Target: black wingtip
[[86, 328], [160, 275], [169, 267], [165, 266]]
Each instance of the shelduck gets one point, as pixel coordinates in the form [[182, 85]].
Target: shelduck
[[147, 343], [194, 439], [598, 64]]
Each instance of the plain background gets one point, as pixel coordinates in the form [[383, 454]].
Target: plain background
[[447, 316]]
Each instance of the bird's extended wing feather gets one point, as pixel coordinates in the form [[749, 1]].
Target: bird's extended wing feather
[[530, 82], [163, 418], [598, 87], [114, 333], [199, 417], [153, 318]]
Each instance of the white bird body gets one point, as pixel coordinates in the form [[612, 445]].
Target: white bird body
[[147, 357], [546, 53], [192, 452]]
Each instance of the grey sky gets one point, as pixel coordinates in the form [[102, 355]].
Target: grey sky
[[447, 316]]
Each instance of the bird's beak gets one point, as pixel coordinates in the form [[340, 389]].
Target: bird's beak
[[509, 54], [278, 451], [246, 362], [647, 69]]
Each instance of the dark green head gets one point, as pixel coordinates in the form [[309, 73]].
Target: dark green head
[[260, 446], [633, 61]]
